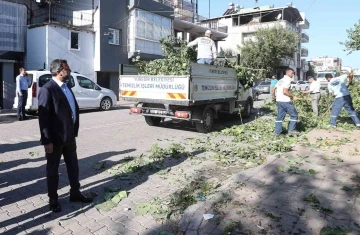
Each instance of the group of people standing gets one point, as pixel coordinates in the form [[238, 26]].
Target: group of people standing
[[338, 87]]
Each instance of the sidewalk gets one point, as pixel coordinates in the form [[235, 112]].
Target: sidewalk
[[7, 111], [10, 112]]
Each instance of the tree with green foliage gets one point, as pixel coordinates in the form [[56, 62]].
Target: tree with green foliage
[[227, 52], [268, 48], [177, 57], [353, 42]]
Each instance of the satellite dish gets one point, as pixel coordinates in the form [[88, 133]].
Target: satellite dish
[[279, 17]]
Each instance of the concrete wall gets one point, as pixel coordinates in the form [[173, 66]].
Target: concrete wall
[[47, 43], [112, 14], [79, 60], [8, 85], [36, 52]]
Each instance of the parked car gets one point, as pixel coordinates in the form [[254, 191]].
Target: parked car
[[88, 94], [299, 86], [256, 93], [264, 87]]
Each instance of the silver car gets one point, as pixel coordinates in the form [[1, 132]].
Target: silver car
[[264, 87]]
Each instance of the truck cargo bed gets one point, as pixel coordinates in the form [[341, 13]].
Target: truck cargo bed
[[204, 84]]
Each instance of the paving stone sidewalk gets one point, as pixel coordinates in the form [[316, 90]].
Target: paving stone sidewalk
[[264, 200]]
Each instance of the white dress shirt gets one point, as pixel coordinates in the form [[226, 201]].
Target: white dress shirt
[[315, 87]]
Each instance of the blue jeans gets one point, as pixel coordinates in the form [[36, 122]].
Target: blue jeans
[[205, 61], [283, 109], [337, 106]]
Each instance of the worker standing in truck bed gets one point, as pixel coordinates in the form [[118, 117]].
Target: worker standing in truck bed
[[206, 53]]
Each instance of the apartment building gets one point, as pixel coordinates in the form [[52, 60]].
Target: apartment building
[[242, 23], [323, 63], [12, 48]]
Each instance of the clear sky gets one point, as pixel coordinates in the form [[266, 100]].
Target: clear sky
[[328, 19]]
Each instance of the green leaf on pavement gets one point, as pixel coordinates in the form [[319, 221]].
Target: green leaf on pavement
[[99, 166], [311, 198], [118, 197], [346, 188], [333, 231], [312, 172], [34, 154], [105, 206], [321, 209]]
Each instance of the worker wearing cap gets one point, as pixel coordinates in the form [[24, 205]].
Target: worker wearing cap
[[338, 87], [206, 53]]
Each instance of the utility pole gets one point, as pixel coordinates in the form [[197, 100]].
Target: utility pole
[[209, 9]]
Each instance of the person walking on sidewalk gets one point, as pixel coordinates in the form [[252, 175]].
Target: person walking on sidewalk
[[284, 104], [59, 125], [338, 88], [314, 92], [22, 85], [206, 52]]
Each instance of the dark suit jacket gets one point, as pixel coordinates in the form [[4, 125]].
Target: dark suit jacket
[[55, 116]]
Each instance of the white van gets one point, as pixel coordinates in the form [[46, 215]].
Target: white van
[[88, 94]]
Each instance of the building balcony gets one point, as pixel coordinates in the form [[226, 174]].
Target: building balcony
[[304, 52], [304, 38], [305, 24], [251, 28], [214, 25], [304, 65], [63, 16]]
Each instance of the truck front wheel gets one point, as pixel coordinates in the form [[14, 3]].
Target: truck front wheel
[[152, 121], [207, 121], [246, 113]]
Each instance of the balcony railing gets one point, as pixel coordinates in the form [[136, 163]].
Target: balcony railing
[[186, 10], [62, 15], [304, 38], [304, 52], [304, 24], [215, 25]]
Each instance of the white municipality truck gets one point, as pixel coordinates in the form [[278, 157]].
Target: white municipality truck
[[198, 97]]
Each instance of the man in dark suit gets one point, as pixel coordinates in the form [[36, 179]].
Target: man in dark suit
[[59, 125]]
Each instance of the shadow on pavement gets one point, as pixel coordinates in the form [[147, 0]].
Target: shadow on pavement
[[18, 146], [39, 216]]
